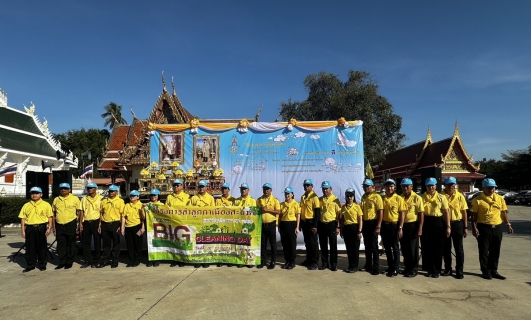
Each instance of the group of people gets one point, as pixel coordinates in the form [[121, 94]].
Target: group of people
[[434, 220]]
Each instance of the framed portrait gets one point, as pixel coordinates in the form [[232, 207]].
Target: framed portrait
[[206, 150], [171, 148]]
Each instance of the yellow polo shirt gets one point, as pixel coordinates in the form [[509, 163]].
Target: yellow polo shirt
[[132, 214], [434, 205], [202, 200], [65, 208], [308, 203], [456, 203], [351, 213], [227, 202], [329, 208], [91, 207], [36, 212], [370, 204], [245, 202], [289, 210], [392, 207], [112, 209], [271, 203], [414, 206], [489, 209], [181, 199]]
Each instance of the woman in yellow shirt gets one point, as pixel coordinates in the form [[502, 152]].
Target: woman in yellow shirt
[[133, 228], [351, 224], [290, 214], [154, 196]]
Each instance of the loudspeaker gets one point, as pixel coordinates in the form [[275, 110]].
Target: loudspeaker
[[38, 179], [46, 165], [431, 172], [59, 177], [87, 154], [59, 155]]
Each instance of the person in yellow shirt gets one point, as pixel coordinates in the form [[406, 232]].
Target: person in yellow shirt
[[351, 223], [178, 197], [154, 196], [34, 216], [310, 214], [202, 198], [412, 228], [290, 214], [372, 208], [89, 220], [226, 199], [245, 200], [459, 223], [488, 212], [436, 227], [270, 210], [133, 228], [65, 210], [394, 213], [112, 209], [328, 227]]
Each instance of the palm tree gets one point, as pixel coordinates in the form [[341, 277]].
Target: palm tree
[[113, 115]]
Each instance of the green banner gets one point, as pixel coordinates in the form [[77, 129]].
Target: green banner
[[204, 234]]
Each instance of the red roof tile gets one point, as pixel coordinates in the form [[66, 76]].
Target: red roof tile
[[118, 138]]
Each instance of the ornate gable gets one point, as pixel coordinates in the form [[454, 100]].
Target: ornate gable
[[457, 159]]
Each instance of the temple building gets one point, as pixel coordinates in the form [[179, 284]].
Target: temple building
[[449, 155]]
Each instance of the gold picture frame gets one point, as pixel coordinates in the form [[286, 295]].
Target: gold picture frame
[[171, 148], [206, 150]]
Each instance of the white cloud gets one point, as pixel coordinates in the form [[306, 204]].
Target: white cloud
[[300, 135], [315, 136], [280, 137]]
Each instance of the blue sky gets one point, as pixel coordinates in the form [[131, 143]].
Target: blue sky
[[436, 62]]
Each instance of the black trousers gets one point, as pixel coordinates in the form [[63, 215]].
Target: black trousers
[[65, 234], [489, 246], [288, 238], [111, 241], [410, 246], [390, 242], [432, 241], [327, 233], [350, 235], [269, 234], [90, 232], [311, 241], [458, 229], [36, 245], [134, 243], [370, 240]]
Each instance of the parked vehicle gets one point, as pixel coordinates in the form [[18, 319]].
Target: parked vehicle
[[510, 197], [524, 198]]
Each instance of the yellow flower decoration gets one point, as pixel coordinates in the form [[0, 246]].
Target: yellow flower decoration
[[179, 172], [341, 122], [293, 122], [244, 123], [162, 176], [154, 164], [175, 164], [194, 123]]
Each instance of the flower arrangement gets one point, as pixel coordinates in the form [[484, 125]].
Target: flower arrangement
[[342, 122], [154, 165], [243, 125], [190, 173], [175, 164], [218, 173], [179, 172], [144, 172], [161, 176], [292, 123], [194, 124]]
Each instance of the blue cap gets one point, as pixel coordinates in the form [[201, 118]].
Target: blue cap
[[91, 185], [326, 184], [308, 182], [450, 180], [431, 182], [244, 186], [36, 189], [368, 182], [202, 183], [64, 185], [406, 182], [268, 185], [225, 185], [388, 181], [489, 183], [154, 192], [350, 190], [134, 193], [113, 187], [288, 190], [177, 181]]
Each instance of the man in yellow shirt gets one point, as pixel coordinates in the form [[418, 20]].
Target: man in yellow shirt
[[178, 197], [488, 212], [202, 198], [34, 216], [89, 220], [372, 208], [394, 212], [270, 210], [245, 200], [435, 229], [412, 228], [310, 214], [112, 210], [459, 223], [328, 226], [226, 199], [65, 210]]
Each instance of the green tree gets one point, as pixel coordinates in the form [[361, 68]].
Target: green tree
[[356, 99], [113, 115], [518, 165], [495, 169], [80, 141]]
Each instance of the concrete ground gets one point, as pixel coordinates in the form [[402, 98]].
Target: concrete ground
[[188, 293]]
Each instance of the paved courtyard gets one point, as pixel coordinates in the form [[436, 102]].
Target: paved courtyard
[[188, 293]]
